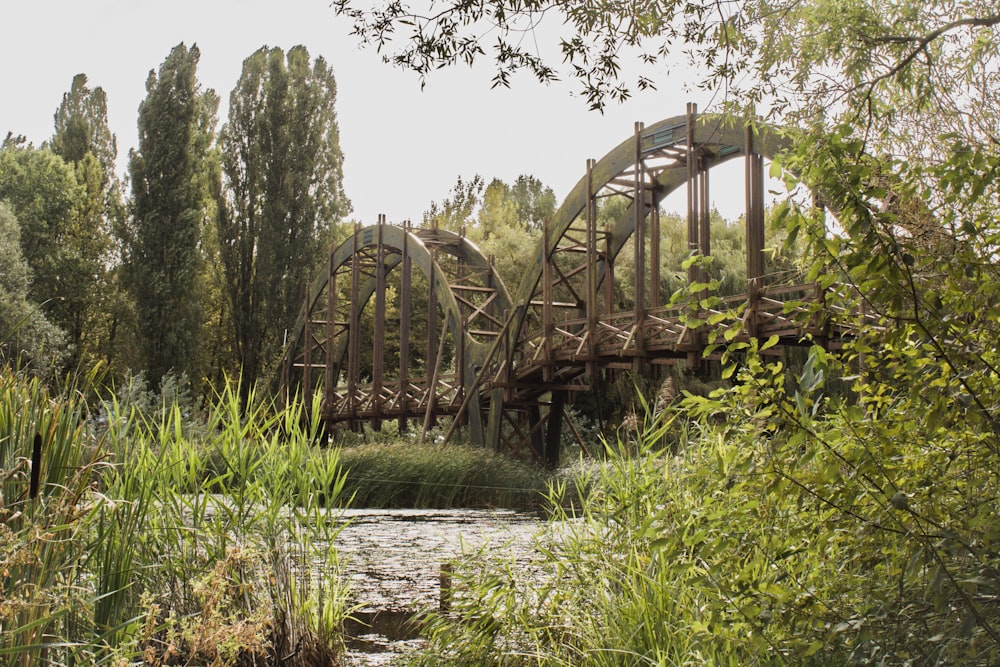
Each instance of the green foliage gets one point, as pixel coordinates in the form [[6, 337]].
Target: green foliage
[[83, 139], [840, 512], [284, 170], [596, 37], [172, 182], [25, 333], [65, 252], [42, 537]]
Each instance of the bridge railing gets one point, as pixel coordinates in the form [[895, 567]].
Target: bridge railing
[[787, 311], [394, 399]]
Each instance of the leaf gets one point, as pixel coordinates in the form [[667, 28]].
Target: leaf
[[769, 343], [812, 649]]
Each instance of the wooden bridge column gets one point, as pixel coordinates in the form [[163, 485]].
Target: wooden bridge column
[[548, 328], [693, 220], [705, 223], [460, 341], [639, 246], [754, 177], [354, 334], [536, 434], [655, 300], [692, 194], [591, 275], [494, 422], [434, 337], [307, 355], [405, 313], [553, 430], [429, 416], [378, 339], [329, 379], [609, 292]]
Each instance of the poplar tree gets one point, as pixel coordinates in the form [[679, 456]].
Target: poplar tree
[[172, 177], [283, 165], [84, 140]]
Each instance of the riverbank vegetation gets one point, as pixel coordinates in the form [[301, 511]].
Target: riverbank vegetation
[[117, 548]]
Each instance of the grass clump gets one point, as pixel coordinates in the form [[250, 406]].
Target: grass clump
[[406, 474]]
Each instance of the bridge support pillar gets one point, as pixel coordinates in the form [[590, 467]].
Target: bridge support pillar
[[754, 175], [553, 430], [495, 420], [405, 315]]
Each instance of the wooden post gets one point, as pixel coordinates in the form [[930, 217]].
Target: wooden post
[[354, 333], [639, 246], [329, 381], [307, 341], [535, 434], [553, 431], [692, 193], [705, 224], [405, 314], [432, 318], [378, 339], [591, 275], [432, 384], [655, 300], [548, 328], [609, 276], [693, 219], [444, 602], [754, 180]]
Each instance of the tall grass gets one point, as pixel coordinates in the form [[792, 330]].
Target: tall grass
[[42, 538], [407, 474], [597, 592], [128, 552]]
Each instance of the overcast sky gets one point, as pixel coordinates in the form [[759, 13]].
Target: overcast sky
[[403, 146]]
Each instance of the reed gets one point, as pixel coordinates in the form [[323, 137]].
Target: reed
[[43, 535]]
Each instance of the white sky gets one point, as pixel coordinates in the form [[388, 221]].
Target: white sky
[[403, 147]]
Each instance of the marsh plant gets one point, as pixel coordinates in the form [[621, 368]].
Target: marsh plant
[[792, 526], [124, 550]]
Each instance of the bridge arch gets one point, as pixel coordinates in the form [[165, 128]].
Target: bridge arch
[[559, 304], [465, 306]]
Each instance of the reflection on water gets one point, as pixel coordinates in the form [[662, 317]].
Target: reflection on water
[[393, 562]]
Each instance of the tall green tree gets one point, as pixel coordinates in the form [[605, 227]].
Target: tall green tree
[[81, 127], [172, 182], [458, 209], [284, 174], [84, 140]]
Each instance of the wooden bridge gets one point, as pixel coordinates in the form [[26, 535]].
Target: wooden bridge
[[506, 365]]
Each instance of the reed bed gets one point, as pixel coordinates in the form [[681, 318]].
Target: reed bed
[[407, 474], [115, 546]]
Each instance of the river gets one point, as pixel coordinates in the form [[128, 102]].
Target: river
[[393, 562]]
